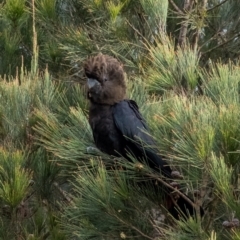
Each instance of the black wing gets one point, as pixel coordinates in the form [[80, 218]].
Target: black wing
[[131, 124]]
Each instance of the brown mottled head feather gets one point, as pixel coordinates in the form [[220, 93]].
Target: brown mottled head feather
[[109, 72]]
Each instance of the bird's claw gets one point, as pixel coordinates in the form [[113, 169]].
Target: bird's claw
[[176, 175]]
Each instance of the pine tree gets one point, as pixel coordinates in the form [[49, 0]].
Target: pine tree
[[181, 60]]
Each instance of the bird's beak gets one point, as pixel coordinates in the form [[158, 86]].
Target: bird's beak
[[91, 82]]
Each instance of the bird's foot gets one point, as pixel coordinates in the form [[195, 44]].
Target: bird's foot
[[175, 194], [176, 175]]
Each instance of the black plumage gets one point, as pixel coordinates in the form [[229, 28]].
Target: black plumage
[[117, 125]]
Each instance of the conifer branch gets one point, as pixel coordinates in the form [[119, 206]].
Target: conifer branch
[[131, 226], [201, 18]]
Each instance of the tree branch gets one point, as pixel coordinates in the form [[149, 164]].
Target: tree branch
[[62, 192], [220, 45], [176, 7], [217, 31], [183, 29], [218, 5], [172, 188]]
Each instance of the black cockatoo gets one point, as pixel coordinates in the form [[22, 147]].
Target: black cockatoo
[[117, 125]]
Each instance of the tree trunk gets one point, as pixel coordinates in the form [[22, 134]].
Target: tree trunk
[[183, 30]]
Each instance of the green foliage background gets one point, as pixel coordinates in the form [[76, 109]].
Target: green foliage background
[[181, 61]]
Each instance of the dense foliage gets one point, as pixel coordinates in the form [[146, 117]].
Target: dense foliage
[[181, 59]]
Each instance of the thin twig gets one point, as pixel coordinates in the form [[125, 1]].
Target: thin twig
[[210, 39], [172, 188], [136, 30], [220, 45], [62, 192], [35, 47], [213, 28], [218, 5], [176, 7]]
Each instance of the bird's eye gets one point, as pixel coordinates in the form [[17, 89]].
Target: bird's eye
[[105, 79]]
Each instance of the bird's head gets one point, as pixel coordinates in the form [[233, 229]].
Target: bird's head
[[105, 79]]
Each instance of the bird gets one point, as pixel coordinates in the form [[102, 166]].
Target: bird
[[118, 127]]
